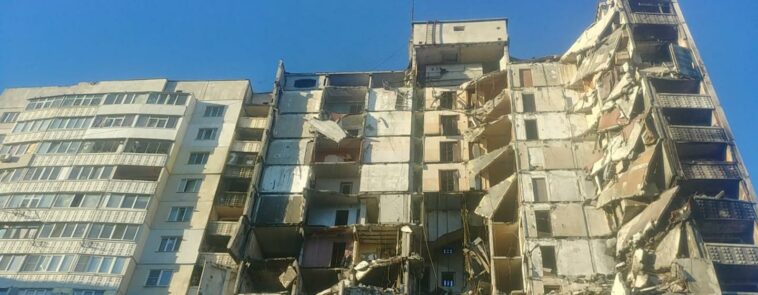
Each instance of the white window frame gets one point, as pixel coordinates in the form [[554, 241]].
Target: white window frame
[[189, 185], [180, 214], [162, 277], [214, 111], [170, 244], [206, 133], [198, 158]]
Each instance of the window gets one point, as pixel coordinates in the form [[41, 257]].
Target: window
[[9, 117], [305, 83], [539, 188], [206, 133], [198, 158], [112, 231], [448, 180], [59, 147], [447, 100], [33, 125], [77, 201], [88, 292], [346, 187], [11, 262], [18, 231], [448, 279], [64, 101], [180, 214], [100, 264], [101, 146], [27, 201], [34, 291], [148, 146], [156, 121], [63, 230], [548, 259], [459, 28], [530, 126], [525, 77], [127, 201], [159, 277], [47, 263], [120, 98], [189, 185], [90, 172], [14, 149], [544, 227], [113, 121], [170, 244], [167, 98], [341, 217], [449, 125], [70, 123], [450, 151], [527, 102], [214, 111], [30, 174]]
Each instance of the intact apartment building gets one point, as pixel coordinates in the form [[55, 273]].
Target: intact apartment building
[[125, 187], [608, 169]]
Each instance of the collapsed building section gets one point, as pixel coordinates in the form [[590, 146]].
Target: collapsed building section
[[609, 169]]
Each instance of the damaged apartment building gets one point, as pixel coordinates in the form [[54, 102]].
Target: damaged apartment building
[[609, 169]]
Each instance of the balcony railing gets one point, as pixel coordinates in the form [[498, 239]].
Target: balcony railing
[[654, 18], [239, 171], [246, 146], [221, 228], [231, 199], [252, 122]]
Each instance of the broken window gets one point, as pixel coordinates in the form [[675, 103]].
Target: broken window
[[448, 180], [450, 151], [341, 217], [448, 279], [530, 125], [650, 6], [338, 255], [525, 77], [548, 259], [449, 125], [346, 187], [539, 188], [544, 228], [527, 101], [305, 83], [447, 100]]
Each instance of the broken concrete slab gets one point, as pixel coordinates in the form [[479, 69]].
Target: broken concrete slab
[[478, 165], [590, 37], [491, 201], [651, 216], [328, 128]]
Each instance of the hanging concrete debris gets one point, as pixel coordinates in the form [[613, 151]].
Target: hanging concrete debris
[[328, 128]]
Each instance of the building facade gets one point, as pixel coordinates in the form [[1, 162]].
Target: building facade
[[610, 169], [125, 187]]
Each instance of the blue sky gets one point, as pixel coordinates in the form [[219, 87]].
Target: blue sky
[[64, 42]]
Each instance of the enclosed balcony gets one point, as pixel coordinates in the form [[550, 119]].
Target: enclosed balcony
[[651, 12], [229, 205]]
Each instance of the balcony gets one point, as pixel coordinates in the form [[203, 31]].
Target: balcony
[[221, 259], [245, 146], [252, 122], [711, 171], [239, 171], [231, 200], [698, 134], [221, 228], [651, 12]]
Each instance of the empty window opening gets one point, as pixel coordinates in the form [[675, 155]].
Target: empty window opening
[[650, 6], [459, 28], [448, 180], [450, 151], [544, 228], [689, 117], [340, 217], [305, 83], [548, 259], [447, 279], [349, 80], [338, 255], [447, 99], [653, 53], [525, 77], [655, 33], [137, 173], [530, 126], [346, 188], [527, 101], [676, 86], [539, 187], [697, 152], [449, 125]]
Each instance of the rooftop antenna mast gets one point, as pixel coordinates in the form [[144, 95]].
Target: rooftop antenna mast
[[413, 9]]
